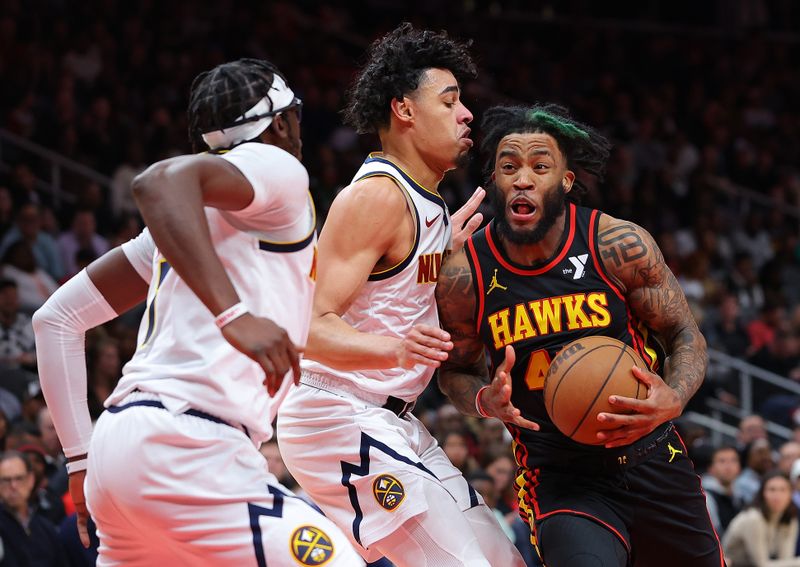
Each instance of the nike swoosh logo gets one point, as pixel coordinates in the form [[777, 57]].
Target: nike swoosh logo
[[429, 223]]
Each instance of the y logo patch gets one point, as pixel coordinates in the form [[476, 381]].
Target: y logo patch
[[580, 265]]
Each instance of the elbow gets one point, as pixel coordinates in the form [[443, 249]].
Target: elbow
[[145, 185], [41, 318]]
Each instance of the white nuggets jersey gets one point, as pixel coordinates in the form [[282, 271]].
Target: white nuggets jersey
[[269, 252], [392, 301]]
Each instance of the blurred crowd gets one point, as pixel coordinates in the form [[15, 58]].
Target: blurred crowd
[[701, 103]]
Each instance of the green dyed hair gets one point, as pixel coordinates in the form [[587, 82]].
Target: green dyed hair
[[585, 150]]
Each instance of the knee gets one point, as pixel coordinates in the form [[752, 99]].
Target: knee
[[572, 541]]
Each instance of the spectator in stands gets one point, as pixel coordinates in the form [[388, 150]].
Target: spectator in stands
[[122, 202], [104, 370], [765, 534], [81, 237], [502, 469], [718, 486], [788, 453], [456, 447], [28, 537], [28, 228], [758, 462], [33, 283], [17, 344], [794, 477], [46, 499], [725, 331], [6, 210], [743, 282], [276, 465], [752, 238], [751, 427]]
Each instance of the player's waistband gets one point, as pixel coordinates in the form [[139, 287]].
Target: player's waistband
[[397, 406], [630, 456], [137, 398]]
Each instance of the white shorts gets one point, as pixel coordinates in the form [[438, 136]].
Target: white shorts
[[169, 489], [364, 466]]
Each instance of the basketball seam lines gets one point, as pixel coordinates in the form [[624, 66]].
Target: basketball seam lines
[[599, 392]]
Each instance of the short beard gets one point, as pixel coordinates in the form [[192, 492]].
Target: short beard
[[463, 159], [552, 208]]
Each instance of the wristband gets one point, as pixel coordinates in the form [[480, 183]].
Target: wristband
[[233, 312], [77, 465], [478, 406]]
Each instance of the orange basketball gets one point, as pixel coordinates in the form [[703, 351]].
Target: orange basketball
[[581, 378]]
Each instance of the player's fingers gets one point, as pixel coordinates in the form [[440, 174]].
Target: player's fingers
[[431, 342], [526, 423], [294, 359], [472, 225], [630, 404], [83, 528], [468, 208], [432, 332], [614, 420], [508, 361], [269, 370], [433, 360], [644, 376], [431, 353]]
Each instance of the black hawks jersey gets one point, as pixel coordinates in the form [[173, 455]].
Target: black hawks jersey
[[539, 309]]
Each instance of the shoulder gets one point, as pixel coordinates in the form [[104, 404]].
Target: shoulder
[[376, 197], [629, 253], [254, 157]]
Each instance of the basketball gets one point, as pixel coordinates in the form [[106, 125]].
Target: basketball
[[581, 378]]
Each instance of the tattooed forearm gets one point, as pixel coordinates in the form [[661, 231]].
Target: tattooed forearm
[[461, 385], [686, 365], [464, 372]]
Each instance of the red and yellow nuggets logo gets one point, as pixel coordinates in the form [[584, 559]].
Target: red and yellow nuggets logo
[[311, 546], [388, 492]]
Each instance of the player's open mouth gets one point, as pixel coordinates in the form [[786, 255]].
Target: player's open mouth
[[522, 210]]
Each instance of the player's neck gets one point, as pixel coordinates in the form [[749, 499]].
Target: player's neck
[[412, 162], [532, 254]]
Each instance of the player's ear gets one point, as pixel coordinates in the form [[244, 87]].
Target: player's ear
[[402, 109], [568, 181], [280, 126]]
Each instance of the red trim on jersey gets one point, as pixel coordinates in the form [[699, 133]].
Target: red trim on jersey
[[700, 484], [638, 342], [477, 265], [522, 457], [535, 272], [539, 516]]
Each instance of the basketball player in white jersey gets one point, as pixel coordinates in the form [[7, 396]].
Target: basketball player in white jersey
[[346, 433], [227, 266]]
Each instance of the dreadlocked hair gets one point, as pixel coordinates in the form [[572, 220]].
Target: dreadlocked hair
[[395, 64], [585, 149], [220, 96]]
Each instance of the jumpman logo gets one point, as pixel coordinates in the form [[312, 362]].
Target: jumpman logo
[[494, 284], [673, 452]]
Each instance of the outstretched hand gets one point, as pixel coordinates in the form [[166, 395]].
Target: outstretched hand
[[267, 344], [465, 220], [495, 400], [633, 419]]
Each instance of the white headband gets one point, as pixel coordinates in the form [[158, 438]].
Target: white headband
[[279, 95]]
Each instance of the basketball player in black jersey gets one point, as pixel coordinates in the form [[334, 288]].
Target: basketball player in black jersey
[[543, 273]]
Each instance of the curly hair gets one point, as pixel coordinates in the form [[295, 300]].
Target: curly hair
[[393, 69], [219, 96], [585, 149]]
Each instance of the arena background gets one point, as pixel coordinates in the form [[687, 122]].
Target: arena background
[[701, 100]]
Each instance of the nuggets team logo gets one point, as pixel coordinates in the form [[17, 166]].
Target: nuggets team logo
[[388, 492], [311, 546]]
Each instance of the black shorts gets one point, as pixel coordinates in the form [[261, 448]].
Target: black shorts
[[647, 494]]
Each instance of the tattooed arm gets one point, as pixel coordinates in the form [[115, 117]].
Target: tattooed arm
[[465, 372], [632, 258]]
